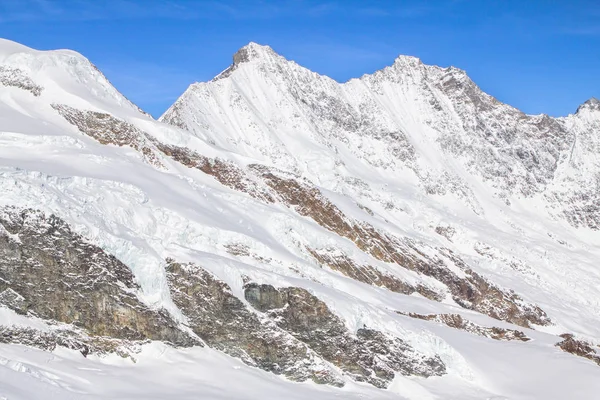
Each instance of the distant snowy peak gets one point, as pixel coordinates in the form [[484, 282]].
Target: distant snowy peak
[[592, 104], [252, 53], [59, 76]]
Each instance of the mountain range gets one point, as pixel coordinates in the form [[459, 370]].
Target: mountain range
[[276, 233]]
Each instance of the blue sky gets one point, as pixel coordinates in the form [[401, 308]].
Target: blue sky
[[539, 56]]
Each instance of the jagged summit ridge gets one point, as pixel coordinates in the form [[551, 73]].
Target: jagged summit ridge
[[433, 122]]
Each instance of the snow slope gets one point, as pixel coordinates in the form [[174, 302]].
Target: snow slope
[[415, 151]]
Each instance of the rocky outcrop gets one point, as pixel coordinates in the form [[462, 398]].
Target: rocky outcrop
[[17, 78], [369, 274], [51, 272], [456, 321], [70, 339], [243, 55], [367, 355], [225, 172], [107, 129], [289, 332], [225, 323], [578, 347]]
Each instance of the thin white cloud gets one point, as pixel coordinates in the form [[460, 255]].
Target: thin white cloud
[[84, 10]]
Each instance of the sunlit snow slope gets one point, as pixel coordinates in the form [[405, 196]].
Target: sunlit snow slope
[[402, 235]]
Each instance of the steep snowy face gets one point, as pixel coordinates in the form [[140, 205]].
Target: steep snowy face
[[577, 179], [427, 125], [514, 152], [258, 96]]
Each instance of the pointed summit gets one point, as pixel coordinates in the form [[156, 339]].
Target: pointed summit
[[252, 51], [408, 60], [590, 104]]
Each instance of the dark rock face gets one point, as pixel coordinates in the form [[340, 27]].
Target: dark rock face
[[244, 55], [264, 297], [48, 271], [69, 339], [579, 348], [225, 323], [371, 275], [225, 172], [296, 336], [369, 356]]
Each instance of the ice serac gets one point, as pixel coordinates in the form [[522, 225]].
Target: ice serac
[[402, 230]]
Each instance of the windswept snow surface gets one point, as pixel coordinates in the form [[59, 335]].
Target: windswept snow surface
[[395, 166]]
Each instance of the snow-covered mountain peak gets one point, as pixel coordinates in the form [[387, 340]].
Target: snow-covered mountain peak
[[253, 51], [373, 233], [58, 76], [18, 55], [592, 104], [411, 61], [407, 63], [256, 55], [8, 47]]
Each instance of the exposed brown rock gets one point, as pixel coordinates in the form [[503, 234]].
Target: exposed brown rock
[[446, 231], [225, 323], [51, 272], [237, 249], [368, 356], [579, 348], [371, 275], [458, 322], [107, 129], [69, 339], [226, 173]]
